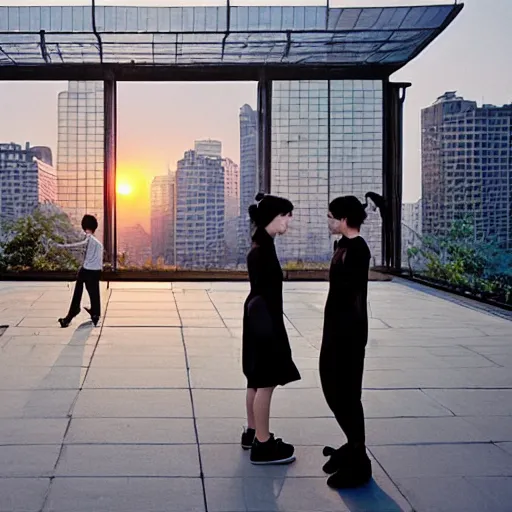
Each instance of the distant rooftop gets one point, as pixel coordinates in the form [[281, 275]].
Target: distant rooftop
[[192, 36], [450, 96]]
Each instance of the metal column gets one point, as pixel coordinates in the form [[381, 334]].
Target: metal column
[[394, 97], [264, 135], [109, 171]]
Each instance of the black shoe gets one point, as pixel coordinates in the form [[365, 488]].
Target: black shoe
[[357, 474], [337, 458], [248, 437], [273, 451], [64, 322], [94, 318]]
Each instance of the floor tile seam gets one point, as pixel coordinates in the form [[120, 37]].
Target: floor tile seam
[[293, 325], [448, 388], [79, 417], [473, 351], [438, 402], [194, 416], [390, 478], [216, 309], [378, 445], [234, 444], [72, 406], [107, 477]]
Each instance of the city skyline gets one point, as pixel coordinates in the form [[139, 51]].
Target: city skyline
[[467, 167], [74, 119], [457, 61]]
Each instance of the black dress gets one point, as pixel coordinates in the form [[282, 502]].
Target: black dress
[[266, 354], [345, 335]]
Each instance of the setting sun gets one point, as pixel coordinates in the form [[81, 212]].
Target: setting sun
[[124, 189]]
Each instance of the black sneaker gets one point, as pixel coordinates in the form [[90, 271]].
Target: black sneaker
[[337, 458], [357, 474], [273, 451], [248, 437]]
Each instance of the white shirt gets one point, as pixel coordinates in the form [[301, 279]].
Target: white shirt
[[93, 259]]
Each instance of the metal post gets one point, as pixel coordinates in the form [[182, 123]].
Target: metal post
[[264, 135], [394, 96], [109, 171]]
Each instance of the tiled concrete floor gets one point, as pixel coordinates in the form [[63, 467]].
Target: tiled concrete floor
[[144, 413]]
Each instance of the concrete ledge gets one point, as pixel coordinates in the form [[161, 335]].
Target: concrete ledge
[[180, 275]]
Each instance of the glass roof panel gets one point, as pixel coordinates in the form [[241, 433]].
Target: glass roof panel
[[175, 36]]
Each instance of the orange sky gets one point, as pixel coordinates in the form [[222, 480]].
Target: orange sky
[[134, 208], [158, 122], [153, 116]]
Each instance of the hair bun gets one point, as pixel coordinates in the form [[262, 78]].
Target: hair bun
[[253, 213], [259, 196]]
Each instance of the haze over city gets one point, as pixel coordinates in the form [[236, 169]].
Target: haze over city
[[157, 122]]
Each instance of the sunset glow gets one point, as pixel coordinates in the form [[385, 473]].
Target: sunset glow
[[124, 189]]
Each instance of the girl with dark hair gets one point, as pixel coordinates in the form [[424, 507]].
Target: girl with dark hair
[[266, 354], [345, 335]]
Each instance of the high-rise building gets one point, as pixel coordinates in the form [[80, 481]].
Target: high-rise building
[[326, 142], [208, 147], [231, 208], [411, 216], [46, 182], [467, 167], [199, 224], [248, 176], [411, 226], [162, 218], [134, 246], [25, 181], [80, 151], [43, 153]]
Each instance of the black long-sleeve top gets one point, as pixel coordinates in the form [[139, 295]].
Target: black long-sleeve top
[[346, 313]]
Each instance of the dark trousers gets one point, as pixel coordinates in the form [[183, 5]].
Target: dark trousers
[[341, 374], [91, 279]]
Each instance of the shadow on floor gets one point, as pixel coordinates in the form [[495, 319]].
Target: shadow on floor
[[66, 374], [371, 497]]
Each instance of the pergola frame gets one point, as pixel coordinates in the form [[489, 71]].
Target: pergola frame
[[314, 52]]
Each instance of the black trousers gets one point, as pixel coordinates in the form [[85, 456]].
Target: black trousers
[[91, 280], [341, 375]]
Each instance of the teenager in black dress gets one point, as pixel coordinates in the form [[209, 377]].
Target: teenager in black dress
[[266, 354], [345, 335]]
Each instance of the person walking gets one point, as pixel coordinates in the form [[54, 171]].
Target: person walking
[[88, 275]]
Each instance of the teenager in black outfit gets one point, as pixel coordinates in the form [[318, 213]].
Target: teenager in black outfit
[[345, 335], [266, 354]]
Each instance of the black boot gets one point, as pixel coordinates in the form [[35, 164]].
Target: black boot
[[337, 458], [355, 472]]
